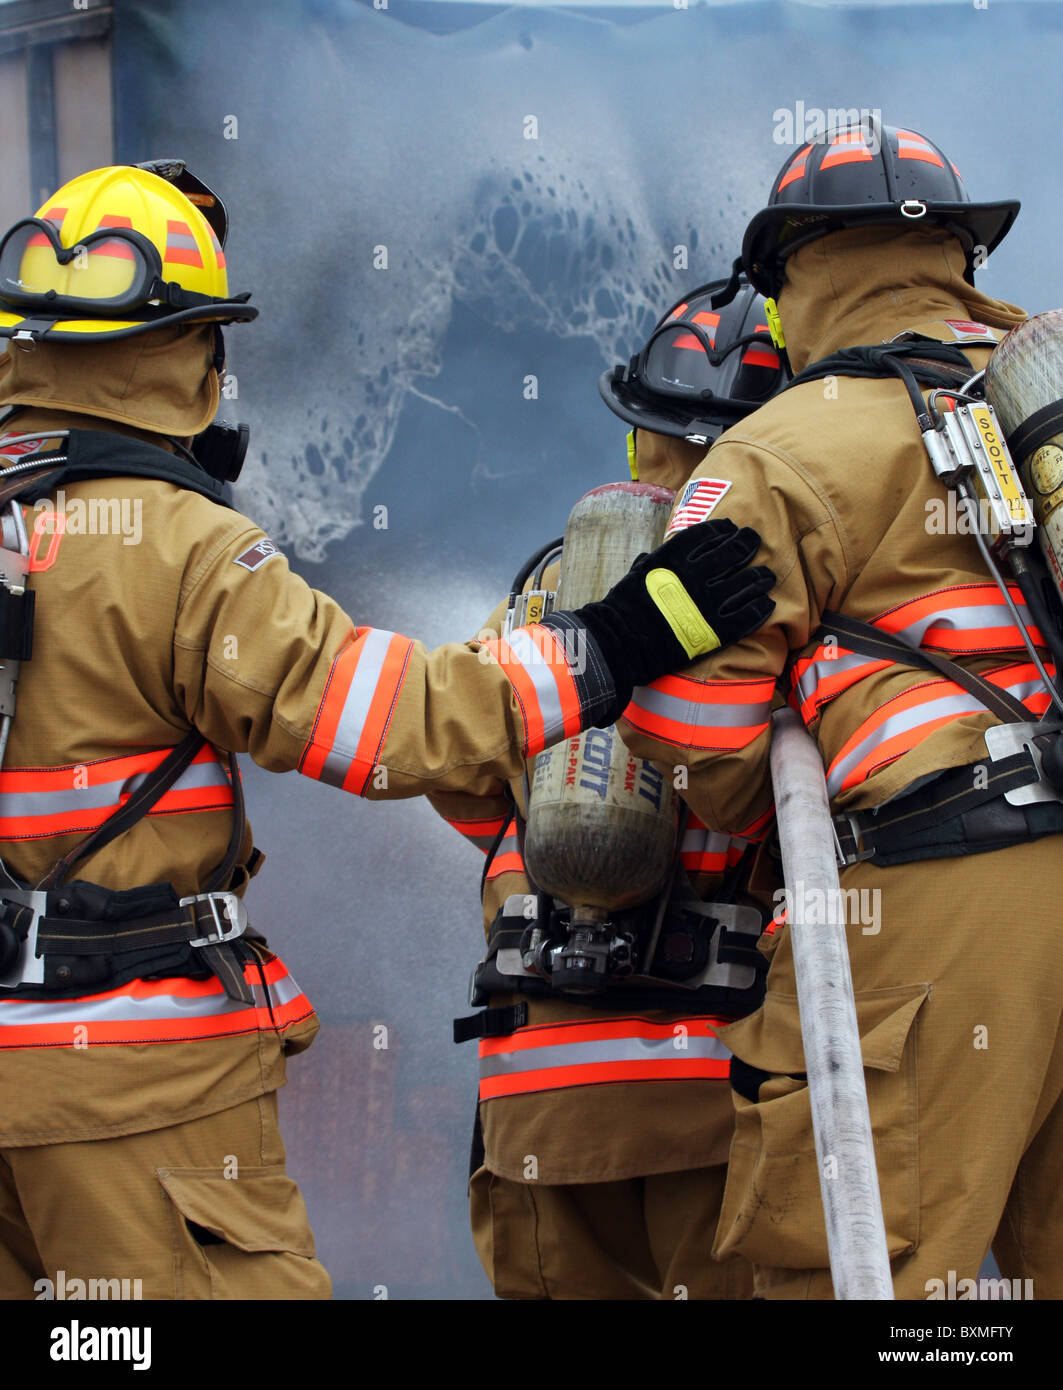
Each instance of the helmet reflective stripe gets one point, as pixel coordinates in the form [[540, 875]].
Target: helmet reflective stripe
[[762, 356], [797, 168], [181, 245], [847, 148], [912, 146], [710, 322]]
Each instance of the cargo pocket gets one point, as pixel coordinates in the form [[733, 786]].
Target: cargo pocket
[[772, 1208], [242, 1237]]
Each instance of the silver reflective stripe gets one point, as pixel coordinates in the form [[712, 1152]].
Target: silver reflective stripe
[[961, 620], [901, 723], [541, 675], [699, 714], [351, 725], [603, 1050], [1024, 690], [26, 805], [824, 668], [125, 1008], [180, 239], [703, 841]]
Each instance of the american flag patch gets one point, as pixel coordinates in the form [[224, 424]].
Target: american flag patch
[[27, 446], [697, 502], [967, 328]]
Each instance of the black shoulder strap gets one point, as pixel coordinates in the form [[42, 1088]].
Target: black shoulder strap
[[99, 454], [883, 646], [917, 362], [932, 363]]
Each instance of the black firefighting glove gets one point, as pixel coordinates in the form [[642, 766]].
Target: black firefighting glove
[[691, 596]]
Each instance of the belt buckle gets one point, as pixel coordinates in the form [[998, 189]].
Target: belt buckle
[[858, 855], [234, 911]]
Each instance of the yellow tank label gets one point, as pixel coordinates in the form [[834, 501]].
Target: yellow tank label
[[535, 609], [1000, 461]]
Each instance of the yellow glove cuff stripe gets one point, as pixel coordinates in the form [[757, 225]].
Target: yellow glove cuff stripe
[[681, 613]]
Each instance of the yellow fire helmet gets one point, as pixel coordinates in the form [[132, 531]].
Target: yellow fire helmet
[[115, 252]]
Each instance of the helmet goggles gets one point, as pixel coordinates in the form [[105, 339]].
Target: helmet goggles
[[110, 273]]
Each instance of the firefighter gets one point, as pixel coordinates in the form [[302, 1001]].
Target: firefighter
[[151, 633], [600, 1150], [869, 236]]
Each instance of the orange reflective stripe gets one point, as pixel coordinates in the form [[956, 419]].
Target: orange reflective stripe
[[181, 245], [702, 714], [759, 828], [508, 858], [555, 657], [847, 148], [536, 665], [524, 690], [913, 146], [603, 1073], [36, 803], [797, 169], [766, 356], [827, 673], [480, 833], [904, 721], [710, 323], [968, 618], [352, 720], [591, 1052], [705, 851], [156, 1011]]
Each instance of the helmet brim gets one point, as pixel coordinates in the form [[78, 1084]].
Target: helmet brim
[[987, 224], [647, 412], [88, 330]]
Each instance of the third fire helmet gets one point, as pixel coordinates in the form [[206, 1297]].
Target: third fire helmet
[[860, 174], [701, 369]]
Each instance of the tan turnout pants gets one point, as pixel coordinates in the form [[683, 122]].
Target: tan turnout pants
[[199, 1210], [644, 1238], [959, 996]]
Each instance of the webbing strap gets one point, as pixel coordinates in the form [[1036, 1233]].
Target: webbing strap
[[491, 1023], [134, 809], [867, 640], [957, 793], [1043, 425]]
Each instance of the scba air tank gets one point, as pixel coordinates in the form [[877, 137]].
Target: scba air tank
[[601, 824], [1024, 384]]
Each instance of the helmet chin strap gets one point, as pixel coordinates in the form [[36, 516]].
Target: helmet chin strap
[[724, 296], [218, 361]]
